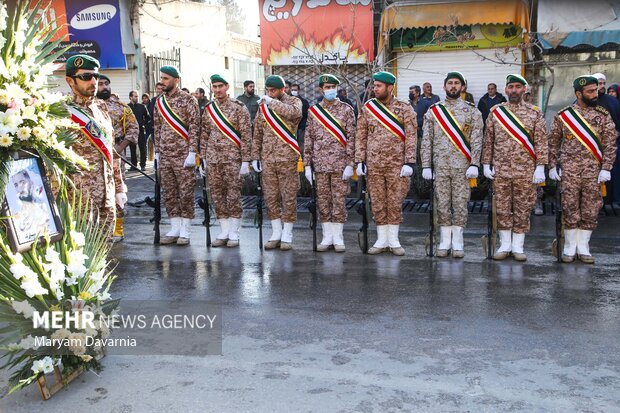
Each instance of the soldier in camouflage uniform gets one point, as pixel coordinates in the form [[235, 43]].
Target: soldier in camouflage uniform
[[226, 138], [514, 155], [451, 150], [275, 152], [126, 131], [330, 152], [580, 168], [177, 119], [102, 184], [385, 147]]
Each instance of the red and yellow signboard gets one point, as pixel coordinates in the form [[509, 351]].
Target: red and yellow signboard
[[302, 32]]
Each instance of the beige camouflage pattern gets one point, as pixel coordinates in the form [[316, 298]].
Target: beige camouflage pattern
[[515, 194], [322, 150], [215, 145], [507, 156], [123, 120], [177, 182], [280, 186], [278, 160], [331, 194], [225, 184], [385, 154], [581, 193], [329, 157], [101, 182], [437, 151]]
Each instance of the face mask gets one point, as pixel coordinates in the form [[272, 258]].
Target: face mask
[[294, 92], [330, 94]]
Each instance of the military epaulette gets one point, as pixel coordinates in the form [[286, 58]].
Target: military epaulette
[[602, 110], [468, 102], [238, 102]]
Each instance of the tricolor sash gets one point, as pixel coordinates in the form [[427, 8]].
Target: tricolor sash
[[451, 127], [330, 123], [176, 123], [583, 131], [515, 129], [224, 124], [386, 118], [95, 134], [280, 128]]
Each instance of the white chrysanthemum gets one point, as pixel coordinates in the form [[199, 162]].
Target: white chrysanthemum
[[60, 334], [77, 343], [6, 140], [39, 132], [23, 133], [5, 99], [23, 307]]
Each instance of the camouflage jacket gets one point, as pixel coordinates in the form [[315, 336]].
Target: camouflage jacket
[[123, 120], [217, 146]]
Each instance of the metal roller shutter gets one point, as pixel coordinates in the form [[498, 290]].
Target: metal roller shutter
[[418, 68]]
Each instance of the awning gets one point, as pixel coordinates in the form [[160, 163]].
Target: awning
[[573, 23], [405, 16]]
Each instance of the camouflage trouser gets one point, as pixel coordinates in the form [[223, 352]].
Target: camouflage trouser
[[179, 185], [331, 193], [451, 192], [514, 198], [387, 191], [581, 202], [280, 184], [225, 184], [107, 217]]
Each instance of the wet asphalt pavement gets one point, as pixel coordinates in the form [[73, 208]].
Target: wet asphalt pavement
[[327, 332]]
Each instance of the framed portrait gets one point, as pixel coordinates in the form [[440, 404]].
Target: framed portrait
[[28, 210]]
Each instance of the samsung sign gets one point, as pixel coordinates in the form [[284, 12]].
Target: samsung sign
[[93, 16]]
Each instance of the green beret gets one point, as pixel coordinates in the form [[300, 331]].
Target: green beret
[[218, 79], [170, 70], [104, 77], [327, 78], [274, 81], [385, 77], [516, 78], [81, 61], [455, 75], [583, 81]]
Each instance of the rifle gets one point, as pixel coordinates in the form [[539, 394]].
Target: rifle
[[204, 204], [157, 205], [558, 243], [364, 210], [258, 218], [135, 167], [430, 251], [312, 206], [489, 240]]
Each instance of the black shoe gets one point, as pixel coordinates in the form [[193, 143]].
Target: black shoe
[[143, 168], [133, 169]]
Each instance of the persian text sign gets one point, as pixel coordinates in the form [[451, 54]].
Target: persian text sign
[[301, 32]]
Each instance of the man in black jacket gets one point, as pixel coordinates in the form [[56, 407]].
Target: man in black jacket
[[490, 99], [142, 116]]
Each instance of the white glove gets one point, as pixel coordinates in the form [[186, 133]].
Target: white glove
[[489, 172], [554, 174], [245, 168], [604, 176], [265, 99], [203, 168], [256, 166], [472, 172], [157, 157], [121, 200], [308, 173], [406, 170], [427, 173], [348, 173], [361, 169], [190, 161], [539, 174]]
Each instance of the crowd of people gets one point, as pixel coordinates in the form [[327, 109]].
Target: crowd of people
[[503, 136]]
